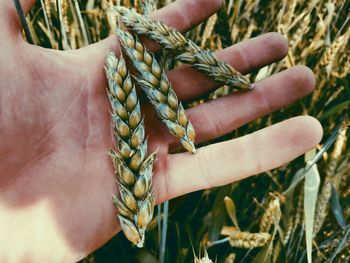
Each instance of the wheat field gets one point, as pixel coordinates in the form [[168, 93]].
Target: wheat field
[[260, 219]]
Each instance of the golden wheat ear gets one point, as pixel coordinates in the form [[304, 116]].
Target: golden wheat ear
[[133, 169]]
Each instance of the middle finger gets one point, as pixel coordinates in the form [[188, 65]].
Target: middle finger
[[218, 117]]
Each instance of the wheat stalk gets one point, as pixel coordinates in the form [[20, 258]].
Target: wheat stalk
[[248, 240], [133, 170], [158, 89], [188, 51]]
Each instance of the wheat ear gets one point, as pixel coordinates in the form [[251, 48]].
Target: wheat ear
[[248, 240], [272, 215], [133, 168], [188, 52], [158, 89]]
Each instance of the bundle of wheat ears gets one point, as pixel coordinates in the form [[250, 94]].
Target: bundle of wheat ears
[[133, 168]]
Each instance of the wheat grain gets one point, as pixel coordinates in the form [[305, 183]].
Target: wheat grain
[[248, 240], [272, 215], [188, 52], [158, 89], [133, 170]]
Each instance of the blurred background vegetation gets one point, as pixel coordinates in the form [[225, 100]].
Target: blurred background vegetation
[[318, 33]]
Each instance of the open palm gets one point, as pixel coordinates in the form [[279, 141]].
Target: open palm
[[56, 180]]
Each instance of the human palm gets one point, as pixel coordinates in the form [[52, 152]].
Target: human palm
[[56, 180]]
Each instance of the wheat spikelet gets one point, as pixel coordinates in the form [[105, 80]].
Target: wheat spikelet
[[331, 52], [289, 230], [47, 4], [133, 170], [343, 68], [72, 38], [65, 9], [288, 16], [248, 34], [300, 33], [276, 251], [209, 28], [204, 259], [248, 240], [158, 89], [272, 215], [189, 52]]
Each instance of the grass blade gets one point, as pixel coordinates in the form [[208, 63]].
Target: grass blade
[[336, 208], [312, 183]]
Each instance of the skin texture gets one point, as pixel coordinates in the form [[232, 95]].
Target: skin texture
[[56, 180]]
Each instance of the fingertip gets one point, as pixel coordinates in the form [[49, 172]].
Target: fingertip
[[300, 79], [278, 43], [306, 78], [315, 130], [309, 131]]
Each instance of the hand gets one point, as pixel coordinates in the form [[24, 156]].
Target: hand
[[56, 179]]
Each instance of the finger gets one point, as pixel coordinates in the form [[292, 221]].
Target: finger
[[184, 14], [11, 14], [218, 117], [181, 14], [244, 56], [226, 162]]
